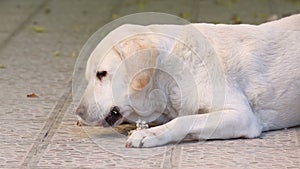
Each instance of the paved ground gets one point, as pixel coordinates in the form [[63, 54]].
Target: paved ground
[[39, 42]]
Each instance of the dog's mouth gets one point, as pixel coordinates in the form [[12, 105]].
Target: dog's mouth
[[113, 117]]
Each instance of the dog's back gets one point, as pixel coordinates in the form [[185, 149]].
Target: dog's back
[[264, 61], [291, 23]]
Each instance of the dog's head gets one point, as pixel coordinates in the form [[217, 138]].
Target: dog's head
[[124, 72]]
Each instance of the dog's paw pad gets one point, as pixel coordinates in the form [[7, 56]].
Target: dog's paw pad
[[140, 139]]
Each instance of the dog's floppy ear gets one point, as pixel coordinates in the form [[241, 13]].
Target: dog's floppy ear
[[141, 79], [140, 56]]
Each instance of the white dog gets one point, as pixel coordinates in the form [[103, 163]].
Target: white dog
[[201, 81]]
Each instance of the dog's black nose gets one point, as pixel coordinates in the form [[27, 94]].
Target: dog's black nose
[[113, 116]]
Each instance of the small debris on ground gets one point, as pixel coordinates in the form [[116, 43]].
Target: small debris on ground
[[84, 12], [141, 5], [32, 95], [74, 54], [56, 53], [115, 16], [78, 123], [38, 29], [236, 19], [185, 15], [47, 10], [34, 22], [272, 17], [2, 66]]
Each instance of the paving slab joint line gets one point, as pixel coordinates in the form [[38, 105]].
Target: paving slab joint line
[[176, 157], [49, 129], [172, 157]]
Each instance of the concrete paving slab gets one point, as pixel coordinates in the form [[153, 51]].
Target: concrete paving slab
[[25, 110], [210, 156], [20, 131], [274, 139], [12, 154], [89, 155]]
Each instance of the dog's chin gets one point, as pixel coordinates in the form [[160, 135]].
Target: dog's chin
[[88, 123], [103, 123], [100, 123]]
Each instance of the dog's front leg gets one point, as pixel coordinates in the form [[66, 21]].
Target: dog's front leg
[[217, 125], [159, 135]]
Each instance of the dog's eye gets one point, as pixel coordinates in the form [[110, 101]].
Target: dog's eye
[[101, 74]]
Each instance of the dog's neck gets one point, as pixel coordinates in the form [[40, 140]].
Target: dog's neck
[[181, 72]]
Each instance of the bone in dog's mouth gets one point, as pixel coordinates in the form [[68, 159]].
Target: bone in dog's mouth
[[113, 116]]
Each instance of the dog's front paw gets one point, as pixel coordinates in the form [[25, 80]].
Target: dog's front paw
[[143, 138]]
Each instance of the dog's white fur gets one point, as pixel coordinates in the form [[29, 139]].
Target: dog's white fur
[[219, 82]]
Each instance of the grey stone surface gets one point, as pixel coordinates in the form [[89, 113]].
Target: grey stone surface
[[238, 156], [41, 132]]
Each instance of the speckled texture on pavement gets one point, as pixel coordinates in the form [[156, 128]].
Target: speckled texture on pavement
[[41, 132]]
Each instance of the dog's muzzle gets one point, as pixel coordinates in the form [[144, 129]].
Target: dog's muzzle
[[113, 116]]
